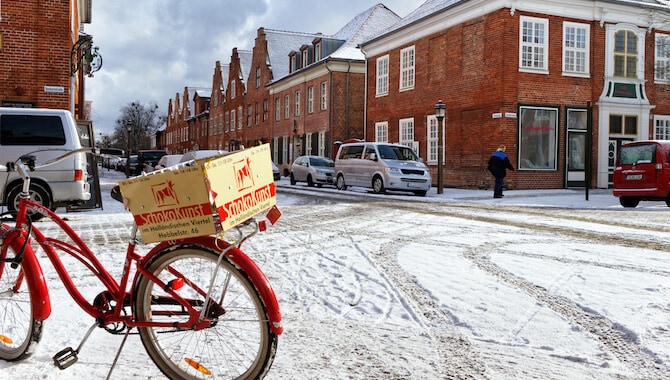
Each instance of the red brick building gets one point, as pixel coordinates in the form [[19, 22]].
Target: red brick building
[[522, 74], [40, 54]]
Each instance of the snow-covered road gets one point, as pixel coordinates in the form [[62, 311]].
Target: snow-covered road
[[425, 290]]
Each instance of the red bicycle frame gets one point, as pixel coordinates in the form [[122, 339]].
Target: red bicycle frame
[[32, 272]]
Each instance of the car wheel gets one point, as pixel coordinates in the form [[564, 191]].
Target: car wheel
[[292, 179], [378, 185], [310, 182], [421, 193], [38, 194], [341, 185], [629, 201]]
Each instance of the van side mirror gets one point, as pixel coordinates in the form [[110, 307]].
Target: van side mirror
[[373, 156]]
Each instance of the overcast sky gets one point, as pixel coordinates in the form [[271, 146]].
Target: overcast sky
[[152, 49]]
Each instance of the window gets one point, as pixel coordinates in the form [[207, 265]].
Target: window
[[576, 48], [538, 138], [533, 44], [296, 111], [32, 130], [258, 77], [239, 117], [292, 63], [407, 68], [232, 89], [308, 144], [625, 54], [661, 127], [432, 140], [232, 120], [266, 110], [305, 58], [407, 133], [250, 113], [623, 125], [382, 131], [324, 99], [287, 107], [277, 109], [383, 75], [662, 69], [226, 122], [310, 99], [317, 52]]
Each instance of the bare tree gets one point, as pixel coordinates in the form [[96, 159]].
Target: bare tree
[[137, 122]]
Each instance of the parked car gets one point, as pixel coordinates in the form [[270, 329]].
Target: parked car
[[167, 160], [381, 166], [147, 159], [198, 154], [45, 134], [275, 172], [315, 170], [642, 172]]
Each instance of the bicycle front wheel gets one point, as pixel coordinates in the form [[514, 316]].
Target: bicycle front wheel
[[238, 344], [19, 331]]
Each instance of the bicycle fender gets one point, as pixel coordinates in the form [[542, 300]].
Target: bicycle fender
[[39, 294], [245, 263]]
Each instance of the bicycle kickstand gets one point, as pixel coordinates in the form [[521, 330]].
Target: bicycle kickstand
[[67, 356]]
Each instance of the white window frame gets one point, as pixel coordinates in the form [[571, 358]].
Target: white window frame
[[661, 127], [382, 76], [308, 144], [310, 99], [277, 108], [576, 47], [233, 89], [287, 107], [296, 108], [317, 52], [324, 96], [382, 131], [322, 144], [662, 62], [240, 117], [305, 58], [432, 138], [407, 68], [406, 132], [533, 48], [233, 119]]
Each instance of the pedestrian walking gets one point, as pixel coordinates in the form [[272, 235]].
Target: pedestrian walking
[[498, 165]]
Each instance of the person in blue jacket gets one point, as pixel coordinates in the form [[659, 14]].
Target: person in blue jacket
[[498, 165]]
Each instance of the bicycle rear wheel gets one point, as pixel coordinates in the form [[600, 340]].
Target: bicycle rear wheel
[[18, 329], [238, 344]]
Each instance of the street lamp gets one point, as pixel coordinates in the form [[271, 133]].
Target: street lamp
[[129, 129], [439, 114]]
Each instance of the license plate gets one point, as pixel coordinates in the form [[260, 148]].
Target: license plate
[[633, 177], [415, 185]]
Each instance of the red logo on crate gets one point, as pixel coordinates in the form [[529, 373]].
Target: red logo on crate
[[243, 175], [164, 194]]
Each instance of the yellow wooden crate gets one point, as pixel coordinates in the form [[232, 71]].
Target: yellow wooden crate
[[179, 203]]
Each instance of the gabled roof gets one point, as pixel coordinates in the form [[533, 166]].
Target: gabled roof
[[365, 25], [245, 65], [280, 44]]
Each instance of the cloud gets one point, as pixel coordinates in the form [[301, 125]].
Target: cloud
[[152, 49]]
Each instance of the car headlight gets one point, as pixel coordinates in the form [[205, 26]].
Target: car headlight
[[393, 171]]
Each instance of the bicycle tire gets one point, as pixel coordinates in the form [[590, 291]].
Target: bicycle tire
[[19, 331], [238, 345]]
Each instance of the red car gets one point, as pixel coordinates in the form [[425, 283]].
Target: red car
[[642, 172]]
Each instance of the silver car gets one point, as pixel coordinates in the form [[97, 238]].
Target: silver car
[[315, 170]]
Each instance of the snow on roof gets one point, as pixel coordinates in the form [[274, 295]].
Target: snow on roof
[[245, 65], [365, 25], [280, 44]]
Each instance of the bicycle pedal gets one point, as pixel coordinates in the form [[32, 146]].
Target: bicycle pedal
[[65, 358]]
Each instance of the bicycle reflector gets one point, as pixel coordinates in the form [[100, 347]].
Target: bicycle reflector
[[6, 339], [199, 367]]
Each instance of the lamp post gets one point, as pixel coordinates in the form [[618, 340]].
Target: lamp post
[[129, 130], [439, 114]]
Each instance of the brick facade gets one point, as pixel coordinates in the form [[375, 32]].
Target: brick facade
[[37, 40]]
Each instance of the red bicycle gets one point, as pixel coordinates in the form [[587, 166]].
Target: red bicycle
[[201, 306]]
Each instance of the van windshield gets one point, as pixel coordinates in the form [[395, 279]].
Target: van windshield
[[390, 152], [637, 154]]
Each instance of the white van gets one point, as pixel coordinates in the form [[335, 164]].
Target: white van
[[45, 134], [381, 166]]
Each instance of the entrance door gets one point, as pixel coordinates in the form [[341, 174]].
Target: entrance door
[[612, 152], [576, 159]]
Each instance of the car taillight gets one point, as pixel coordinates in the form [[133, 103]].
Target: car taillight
[[78, 175]]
